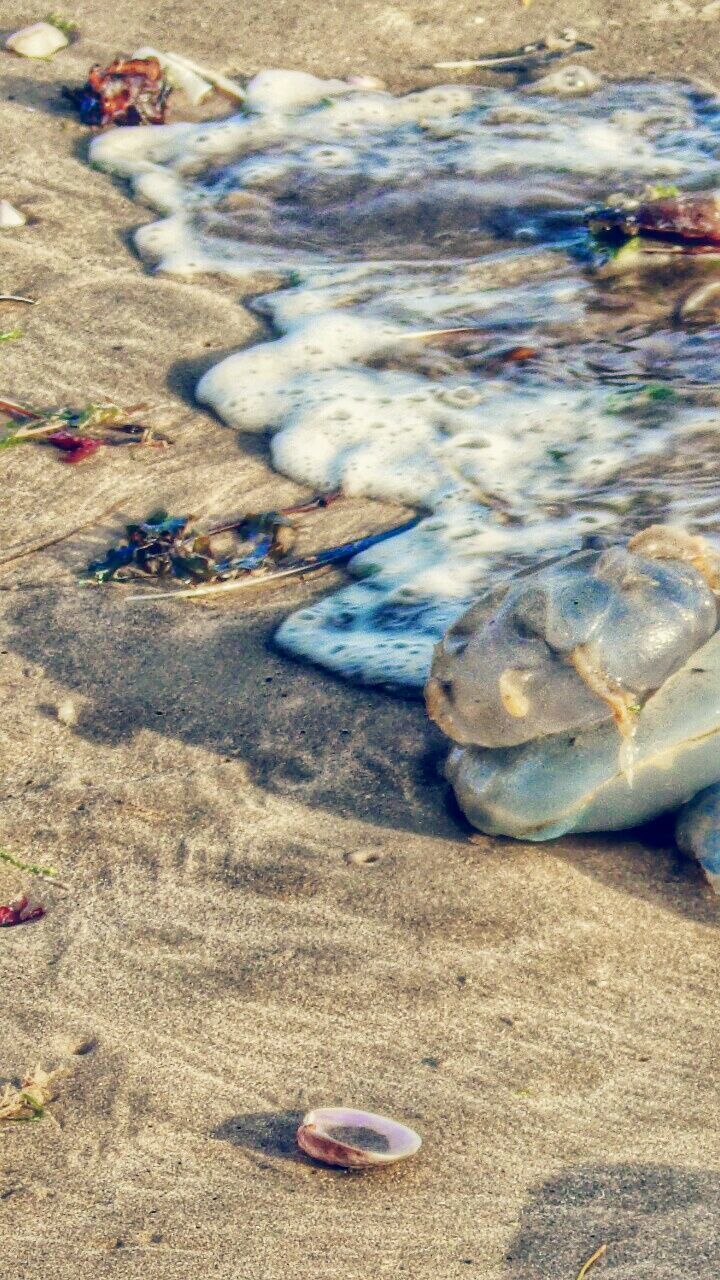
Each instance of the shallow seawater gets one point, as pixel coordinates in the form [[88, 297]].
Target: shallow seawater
[[581, 403]]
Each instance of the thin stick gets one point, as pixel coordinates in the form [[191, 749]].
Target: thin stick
[[19, 410], [465, 65], [312, 504], [12, 297], [598, 1254], [32, 547], [27, 433]]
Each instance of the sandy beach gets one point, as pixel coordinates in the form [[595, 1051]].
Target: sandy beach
[[269, 902]]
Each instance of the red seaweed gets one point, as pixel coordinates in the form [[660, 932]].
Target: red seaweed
[[19, 912], [75, 448], [127, 92]]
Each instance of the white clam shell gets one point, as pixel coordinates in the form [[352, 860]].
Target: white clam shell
[[10, 216], [355, 1139], [41, 40], [195, 88]]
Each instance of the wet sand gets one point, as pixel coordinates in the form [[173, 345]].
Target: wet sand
[[270, 904]]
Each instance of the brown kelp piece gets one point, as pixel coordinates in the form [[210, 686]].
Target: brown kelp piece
[[127, 92], [690, 220]]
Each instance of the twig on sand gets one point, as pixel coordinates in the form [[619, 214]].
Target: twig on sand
[[32, 547], [14, 297], [598, 1254]]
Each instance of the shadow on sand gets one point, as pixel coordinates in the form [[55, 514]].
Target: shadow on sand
[[659, 1222]]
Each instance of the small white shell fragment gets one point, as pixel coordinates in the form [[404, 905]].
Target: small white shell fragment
[[10, 216], [195, 88], [370, 84], [223, 84], [355, 1139], [41, 40], [67, 713], [704, 298], [567, 82]]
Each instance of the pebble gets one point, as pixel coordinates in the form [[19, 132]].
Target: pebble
[[41, 40], [10, 216]]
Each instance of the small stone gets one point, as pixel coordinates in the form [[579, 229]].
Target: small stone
[[41, 40], [10, 216], [368, 84], [567, 82], [67, 712]]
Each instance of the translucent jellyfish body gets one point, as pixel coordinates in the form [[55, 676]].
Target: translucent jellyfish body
[[543, 748]]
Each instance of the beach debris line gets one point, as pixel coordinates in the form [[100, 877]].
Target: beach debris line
[[28, 1100], [41, 40], [19, 912], [130, 91], [169, 547], [64, 429], [352, 1139]]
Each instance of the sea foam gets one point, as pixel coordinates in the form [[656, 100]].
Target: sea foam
[[377, 218]]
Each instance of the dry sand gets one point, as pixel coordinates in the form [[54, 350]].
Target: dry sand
[[270, 904]]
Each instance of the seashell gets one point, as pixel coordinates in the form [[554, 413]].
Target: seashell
[[41, 40], [183, 77], [222, 84], [10, 216], [355, 1139]]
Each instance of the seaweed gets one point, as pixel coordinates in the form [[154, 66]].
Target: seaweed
[[63, 429], [130, 91], [172, 548]]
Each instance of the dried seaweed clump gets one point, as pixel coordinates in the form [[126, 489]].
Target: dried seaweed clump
[[128, 91], [29, 1100]]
